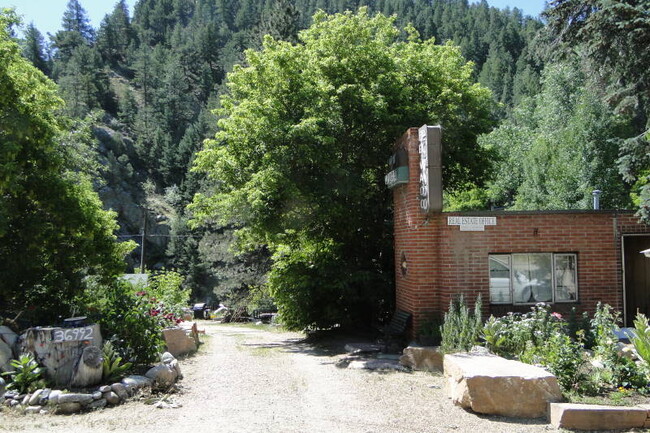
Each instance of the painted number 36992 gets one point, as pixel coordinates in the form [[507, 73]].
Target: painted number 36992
[[72, 334]]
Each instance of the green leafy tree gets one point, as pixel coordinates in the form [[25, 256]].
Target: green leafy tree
[[559, 146], [615, 35], [301, 153], [53, 230]]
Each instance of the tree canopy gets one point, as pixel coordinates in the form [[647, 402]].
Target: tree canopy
[[53, 231], [559, 146], [305, 133], [615, 36]]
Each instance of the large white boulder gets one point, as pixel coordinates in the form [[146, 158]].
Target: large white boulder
[[493, 385], [8, 336], [178, 341]]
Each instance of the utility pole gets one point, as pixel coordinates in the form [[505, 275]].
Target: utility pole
[[144, 234]]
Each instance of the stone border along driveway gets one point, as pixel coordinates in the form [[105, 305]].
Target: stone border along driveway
[[46, 401], [246, 379]]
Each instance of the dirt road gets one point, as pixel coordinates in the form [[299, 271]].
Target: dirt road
[[252, 380]]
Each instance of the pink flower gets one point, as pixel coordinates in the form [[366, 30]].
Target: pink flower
[[558, 316]]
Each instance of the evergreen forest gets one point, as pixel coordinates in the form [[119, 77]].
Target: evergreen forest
[[228, 139]]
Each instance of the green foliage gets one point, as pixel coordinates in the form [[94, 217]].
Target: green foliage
[[641, 337], [430, 332], [559, 146], [604, 325], [613, 35], [27, 376], [564, 358], [300, 155], [494, 335], [131, 321], [542, 337], [165, 287], [461, 327], [113, 368], [522, 335], [33, 47], [53, 230], [158, 71]]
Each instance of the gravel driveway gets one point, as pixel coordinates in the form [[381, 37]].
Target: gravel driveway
[[252, 380]]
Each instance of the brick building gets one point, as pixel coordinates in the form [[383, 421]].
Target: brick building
[[512, 259]]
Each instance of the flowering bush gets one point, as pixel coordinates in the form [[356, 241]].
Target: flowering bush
[[520, 335], [130, 318], [545, 338]]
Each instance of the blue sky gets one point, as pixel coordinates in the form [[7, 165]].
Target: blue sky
[[46, 14]]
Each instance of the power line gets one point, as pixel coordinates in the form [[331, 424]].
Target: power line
[[139, 235]]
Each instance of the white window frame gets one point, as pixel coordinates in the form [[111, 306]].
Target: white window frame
[[554, 297]]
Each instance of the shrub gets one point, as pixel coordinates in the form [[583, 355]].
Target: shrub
[[641, 337], [514, 335], [461, 328], [564, 358], [495, 335], [165, 289], [27, 375], [128, 319], [430, 332], [113, 369], [604, 325]]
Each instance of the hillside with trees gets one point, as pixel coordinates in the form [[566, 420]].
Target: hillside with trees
[[289, 186]]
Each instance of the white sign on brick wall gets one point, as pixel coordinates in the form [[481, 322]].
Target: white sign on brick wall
[[471, 224]]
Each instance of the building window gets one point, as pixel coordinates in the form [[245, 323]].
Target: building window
[[532, 278]]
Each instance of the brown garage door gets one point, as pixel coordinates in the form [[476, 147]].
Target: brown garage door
[[637, 277]]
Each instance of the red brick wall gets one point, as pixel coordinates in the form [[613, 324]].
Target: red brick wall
[[443, 261]]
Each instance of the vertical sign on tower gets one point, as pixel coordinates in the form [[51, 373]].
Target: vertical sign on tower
[[423, 150], [430, 150]]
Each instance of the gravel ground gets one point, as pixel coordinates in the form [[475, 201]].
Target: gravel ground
[[252, 380]]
